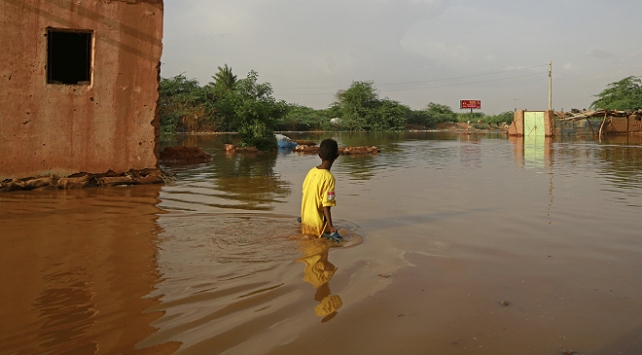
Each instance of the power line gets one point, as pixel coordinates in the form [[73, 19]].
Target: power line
[[467, 77], [469, 83], [426, 81], [426, 87]]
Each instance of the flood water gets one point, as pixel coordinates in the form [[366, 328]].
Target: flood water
[[455, 244]]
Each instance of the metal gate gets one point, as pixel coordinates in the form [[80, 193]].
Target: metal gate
[[534, 124], [534, 138]]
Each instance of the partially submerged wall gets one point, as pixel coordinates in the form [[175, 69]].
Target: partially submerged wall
[[517, 127], [599, 123], [579, 128], [105, 121], [549, 123], [624, 125]]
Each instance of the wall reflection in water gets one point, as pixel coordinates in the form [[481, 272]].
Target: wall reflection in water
[[532, 151], [618, 158], [624, 164], [536, 152], [75, 268]]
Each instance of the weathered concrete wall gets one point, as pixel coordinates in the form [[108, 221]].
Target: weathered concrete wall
[[549, 123], [63, 129]]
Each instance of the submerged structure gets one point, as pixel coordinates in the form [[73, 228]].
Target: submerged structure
[[532, 124], [601, 122], [586, 122], [79, 86]]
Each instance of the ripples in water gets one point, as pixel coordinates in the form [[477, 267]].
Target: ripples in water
[[479, 220], [226, 272], [244, 237]]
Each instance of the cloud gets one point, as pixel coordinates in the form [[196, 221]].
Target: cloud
[[634, 56], [310, 49], [602, 54], [453, 54]]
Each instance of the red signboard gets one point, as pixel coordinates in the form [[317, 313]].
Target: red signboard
[[470, 104]]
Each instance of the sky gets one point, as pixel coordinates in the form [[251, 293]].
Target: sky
[[414, 51]]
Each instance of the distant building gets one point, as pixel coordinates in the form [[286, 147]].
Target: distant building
[[79, 86]]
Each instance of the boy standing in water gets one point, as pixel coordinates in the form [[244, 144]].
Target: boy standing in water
[[318, 194]]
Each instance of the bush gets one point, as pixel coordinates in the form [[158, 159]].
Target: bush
[[264, 143]]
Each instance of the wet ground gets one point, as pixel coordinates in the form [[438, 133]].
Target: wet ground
[[456, 244]]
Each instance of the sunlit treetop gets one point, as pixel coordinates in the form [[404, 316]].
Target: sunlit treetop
[[622, 95]]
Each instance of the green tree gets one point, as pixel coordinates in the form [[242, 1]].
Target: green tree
[[256, 111], [224, 80], [224, 83], [471, 117], [181, 102], [438, 113], [361, 109], [418, 117], [302, 118], [503, 118], [391, 115], [357, 104], [334, 111], [625, 94]]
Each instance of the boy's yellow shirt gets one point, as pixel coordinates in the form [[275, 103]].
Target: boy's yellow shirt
[[318, 192]]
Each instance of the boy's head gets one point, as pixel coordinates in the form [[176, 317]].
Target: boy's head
[[328, 149]]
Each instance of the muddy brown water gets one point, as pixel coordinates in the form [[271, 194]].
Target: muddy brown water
[[456, 244]]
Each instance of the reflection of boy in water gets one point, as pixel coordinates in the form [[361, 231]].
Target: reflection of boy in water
[[318, 192], [318, 272]]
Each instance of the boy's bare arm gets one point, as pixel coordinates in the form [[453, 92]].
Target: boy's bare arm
[[328, 218]]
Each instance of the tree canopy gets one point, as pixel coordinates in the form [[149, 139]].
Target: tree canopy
[[245, 106], [183, 105], [248, 107], [361, 109], [625, 94], [438, 113], [224, 80], [256, 112]]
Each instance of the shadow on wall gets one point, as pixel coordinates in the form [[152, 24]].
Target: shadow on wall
[[100, 18]]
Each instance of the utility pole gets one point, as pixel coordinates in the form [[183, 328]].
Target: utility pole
[[550, 85]]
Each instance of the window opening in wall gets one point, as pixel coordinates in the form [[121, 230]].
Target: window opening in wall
[[68, 57]]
